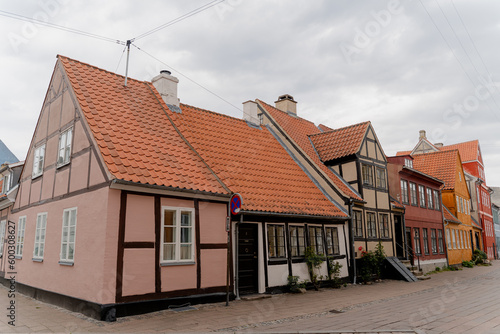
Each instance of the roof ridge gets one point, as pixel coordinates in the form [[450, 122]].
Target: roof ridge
[[284, 112], [212, 112], [98, 68], [342, 128]]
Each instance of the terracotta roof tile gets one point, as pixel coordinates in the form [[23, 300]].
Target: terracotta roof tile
[[338, 143], [251, 162], [324, 128], [132, 131], [468, 150], [449, 217], [398, 154], [441, 165], [299, 129]]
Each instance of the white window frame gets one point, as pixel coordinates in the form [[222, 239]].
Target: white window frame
[[7, 180], [430, 198], [68, 226], [3, 224], [21, 228], [64, 151], [178, 212], [41, 226], [38, 161]]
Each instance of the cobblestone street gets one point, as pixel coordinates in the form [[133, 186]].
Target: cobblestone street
[[465, 301]]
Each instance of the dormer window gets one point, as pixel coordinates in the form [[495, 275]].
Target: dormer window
[[38, 161], [7, 180], [65, 147], [409, 163]]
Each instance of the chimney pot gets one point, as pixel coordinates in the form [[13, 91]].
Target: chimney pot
[[286, 103], [422, 134], [166, 72]]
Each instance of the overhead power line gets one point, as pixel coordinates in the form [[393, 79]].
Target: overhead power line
[[188, 78], [59, 27], [180, 18]]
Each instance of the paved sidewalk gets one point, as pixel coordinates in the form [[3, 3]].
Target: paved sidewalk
[[451, 302]]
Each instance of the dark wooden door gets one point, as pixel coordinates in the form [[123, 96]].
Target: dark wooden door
[[247, 258], [398, 231], [409, 246]]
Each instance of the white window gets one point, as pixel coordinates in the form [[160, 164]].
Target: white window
[[2, 235], [177, 235], [21, 227], [68, 235], [41, 225], [38, 161], [65, 147], [409, 163], [7, 182]]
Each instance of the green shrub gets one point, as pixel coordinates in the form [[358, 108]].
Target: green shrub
[[314, 262], [479, 256], [371, 263], [334, 273], [467, 264], [438, 269], [294, 285]]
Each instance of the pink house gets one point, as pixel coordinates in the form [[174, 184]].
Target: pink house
[[123, 199]]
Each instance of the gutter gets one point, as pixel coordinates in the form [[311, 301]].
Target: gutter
[[293, 215], [165, 190]]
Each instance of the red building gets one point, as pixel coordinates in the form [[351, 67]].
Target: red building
[[421, 196], [472, 161]]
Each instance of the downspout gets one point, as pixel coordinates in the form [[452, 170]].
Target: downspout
[[405, 240], [236, 242], [351, 239]]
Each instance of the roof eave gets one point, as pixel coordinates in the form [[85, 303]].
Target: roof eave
[[165, 190]]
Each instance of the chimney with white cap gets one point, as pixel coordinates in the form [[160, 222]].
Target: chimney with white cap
[[166, 85], [287, 104]]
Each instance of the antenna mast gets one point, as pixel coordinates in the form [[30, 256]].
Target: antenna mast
[[128, 54]]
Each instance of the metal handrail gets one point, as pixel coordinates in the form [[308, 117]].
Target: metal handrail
[[412, 253]]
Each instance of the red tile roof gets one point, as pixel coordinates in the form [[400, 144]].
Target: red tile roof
[[468, 150], [441, 165], [135, 138], [341, 142], [298, 130], [449, 217], [139, 143], [324, 128], [396, 204], [400, 153], [252, 162]]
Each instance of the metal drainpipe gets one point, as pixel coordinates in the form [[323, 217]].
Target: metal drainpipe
[[351, 239], [236, 239]]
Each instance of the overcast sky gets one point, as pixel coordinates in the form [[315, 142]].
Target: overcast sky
[[404, 65]]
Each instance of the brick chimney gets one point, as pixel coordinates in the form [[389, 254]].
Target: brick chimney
[[422, 134], [286, 103], [166, 85], [251, 112]]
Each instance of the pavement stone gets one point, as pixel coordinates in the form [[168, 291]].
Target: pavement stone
[[451, 302]]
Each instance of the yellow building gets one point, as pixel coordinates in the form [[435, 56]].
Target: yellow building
[[447, 166]]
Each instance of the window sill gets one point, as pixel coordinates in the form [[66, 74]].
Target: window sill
[[37, 260], [180, 263], [66, 263], [336, 257], [33, 177], [58, 166], [277, 261], [18, 257]]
